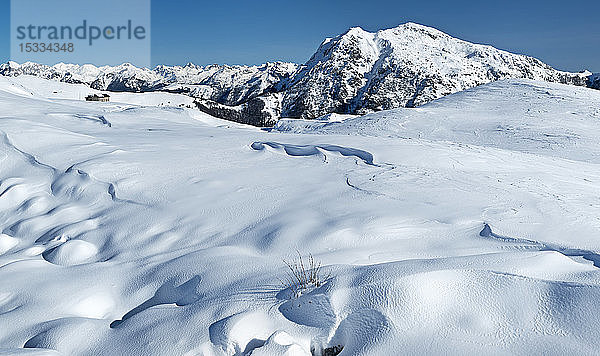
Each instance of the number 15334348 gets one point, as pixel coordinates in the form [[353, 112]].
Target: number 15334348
[[46, 47]]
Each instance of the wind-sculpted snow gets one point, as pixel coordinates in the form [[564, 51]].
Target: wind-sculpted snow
[[354, 73], [164, 233], [313, 150], [591, 256]]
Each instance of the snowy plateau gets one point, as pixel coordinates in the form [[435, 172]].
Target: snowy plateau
[[468, 224]]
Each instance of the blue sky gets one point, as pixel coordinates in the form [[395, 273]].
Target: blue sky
[[563, 34]]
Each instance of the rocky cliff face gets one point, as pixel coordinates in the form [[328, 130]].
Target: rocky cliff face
[[354, 73], [262, 111], [333, 76], [594, 81]]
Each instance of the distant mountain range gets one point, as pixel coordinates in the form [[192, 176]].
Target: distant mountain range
[[354, 73]]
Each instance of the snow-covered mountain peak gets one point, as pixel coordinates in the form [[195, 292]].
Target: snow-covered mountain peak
[[192, 66], [408, 65], [356, 31], [416, 28], [354, 43]]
